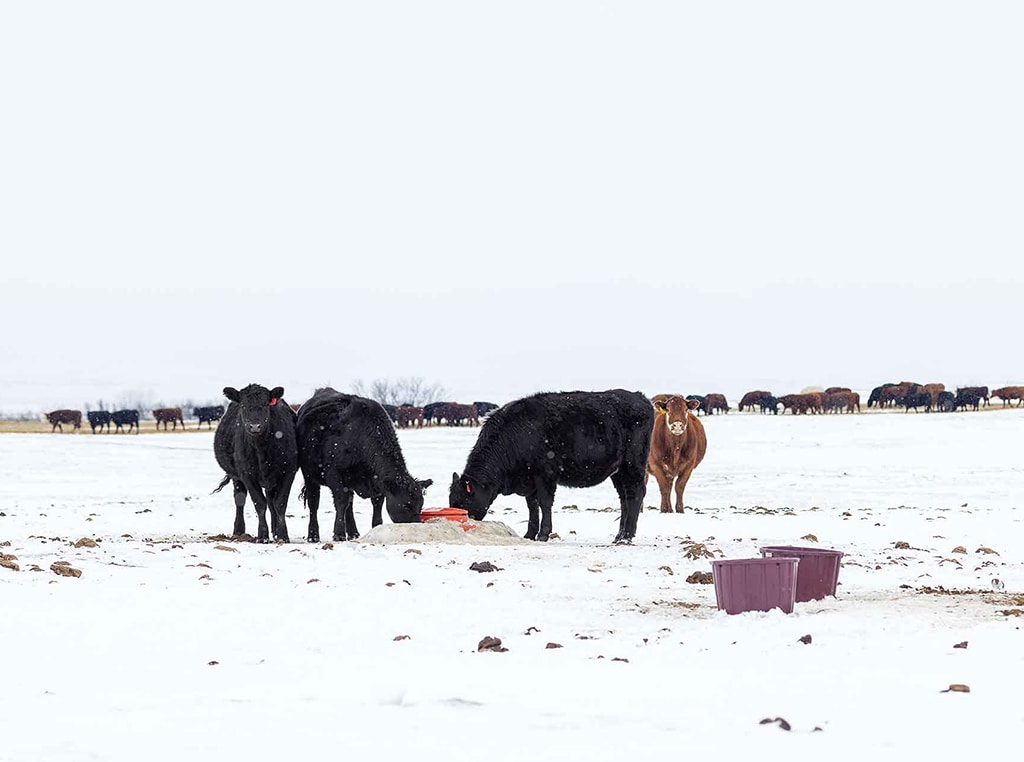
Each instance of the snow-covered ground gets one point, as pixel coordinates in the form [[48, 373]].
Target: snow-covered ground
[[172, 646]]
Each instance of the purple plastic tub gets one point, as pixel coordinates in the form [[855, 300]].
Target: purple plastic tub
[[755, 584], [819, 569]]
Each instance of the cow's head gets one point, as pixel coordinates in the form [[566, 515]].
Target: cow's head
[[676, 410], [255, 402], [405, 501], [471, 495]]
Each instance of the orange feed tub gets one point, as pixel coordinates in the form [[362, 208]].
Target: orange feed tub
[[451, 514]]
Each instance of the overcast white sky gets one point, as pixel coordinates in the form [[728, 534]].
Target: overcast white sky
[[508, 197]]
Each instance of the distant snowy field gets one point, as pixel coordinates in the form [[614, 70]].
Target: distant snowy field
[[117, 664]]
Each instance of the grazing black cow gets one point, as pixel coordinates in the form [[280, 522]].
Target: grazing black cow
[[875, 398], [122, 417], [255, 445], [483, 408], [702, 400], [767, 402], [347, 444], [574, 439], [916, 398], [946, 402], [98, 419], [433, 412], [208, 414], [967, 397]]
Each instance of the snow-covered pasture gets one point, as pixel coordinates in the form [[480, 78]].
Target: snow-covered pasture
[[173, 646]]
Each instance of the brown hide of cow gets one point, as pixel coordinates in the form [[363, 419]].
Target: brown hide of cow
[[750, 399], [1008, 393], [674, 456]]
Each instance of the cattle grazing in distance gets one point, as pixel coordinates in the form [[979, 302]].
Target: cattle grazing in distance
[[167, 415], [835, 389], [574, 439], [946, 402], [713, 402], [432, 412], [409, 416], [255, 446], [207, 415], [98, 419], [122, 417], [842, 401], [1009, 393], [678, 444], [700, 401], [345, 443], [811, 402], [59, 417], [875, 397], [768, 403], [933, 390], [895, 394], [752, 399], [916, 398], [968, 396]]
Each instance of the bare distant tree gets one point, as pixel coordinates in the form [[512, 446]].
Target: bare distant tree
[[408, 390]]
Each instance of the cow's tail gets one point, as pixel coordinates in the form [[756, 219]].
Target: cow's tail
[[302, 495], [222, 485]]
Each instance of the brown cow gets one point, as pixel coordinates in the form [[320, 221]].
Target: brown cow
[[168, 414], [409, 415], [713, 402], [933, 390], [1009, 393], [837, 402], [802, 403], [834, 389], [57, 417], [753, 399], [678, 444]]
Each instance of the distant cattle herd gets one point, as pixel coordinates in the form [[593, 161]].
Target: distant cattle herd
[[836, 399]]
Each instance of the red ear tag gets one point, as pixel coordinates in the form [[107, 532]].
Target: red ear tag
[[273, 401], [468, 489]]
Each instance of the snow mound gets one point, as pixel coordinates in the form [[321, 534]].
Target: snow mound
[[444, 532]]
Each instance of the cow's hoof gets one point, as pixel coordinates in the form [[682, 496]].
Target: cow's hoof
[[353, 536], [620, 540], [338, 538], [666, 510], [679, 509], [313, 538], [263, 540], [542, 538], [530, 536]]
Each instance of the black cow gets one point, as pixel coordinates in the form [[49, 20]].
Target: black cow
[[768, 403], [255, 445], [945, 402], [574, 439], [701, 399], [433, 412], [916, 398], [208, 414], [968, 396], [483, 408], [347, 444], [98, 419], [122, 417], [875, 398]]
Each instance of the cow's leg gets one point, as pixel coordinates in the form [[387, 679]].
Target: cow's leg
[[342, 505], [350, 520], [665, 485], [239, 507], [546, 498], [533, 524], [312, 492], [260, 501], [378, 505], [681, 480], [629, 483], [279, 505]]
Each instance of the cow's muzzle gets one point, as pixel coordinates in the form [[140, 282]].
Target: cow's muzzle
[[677, 427], [254, 428]]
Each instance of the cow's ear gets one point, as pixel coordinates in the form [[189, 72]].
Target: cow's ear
[[455, 479], [693, 404], [660, 405], [231, 393], [277, 393], [424, 483]]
